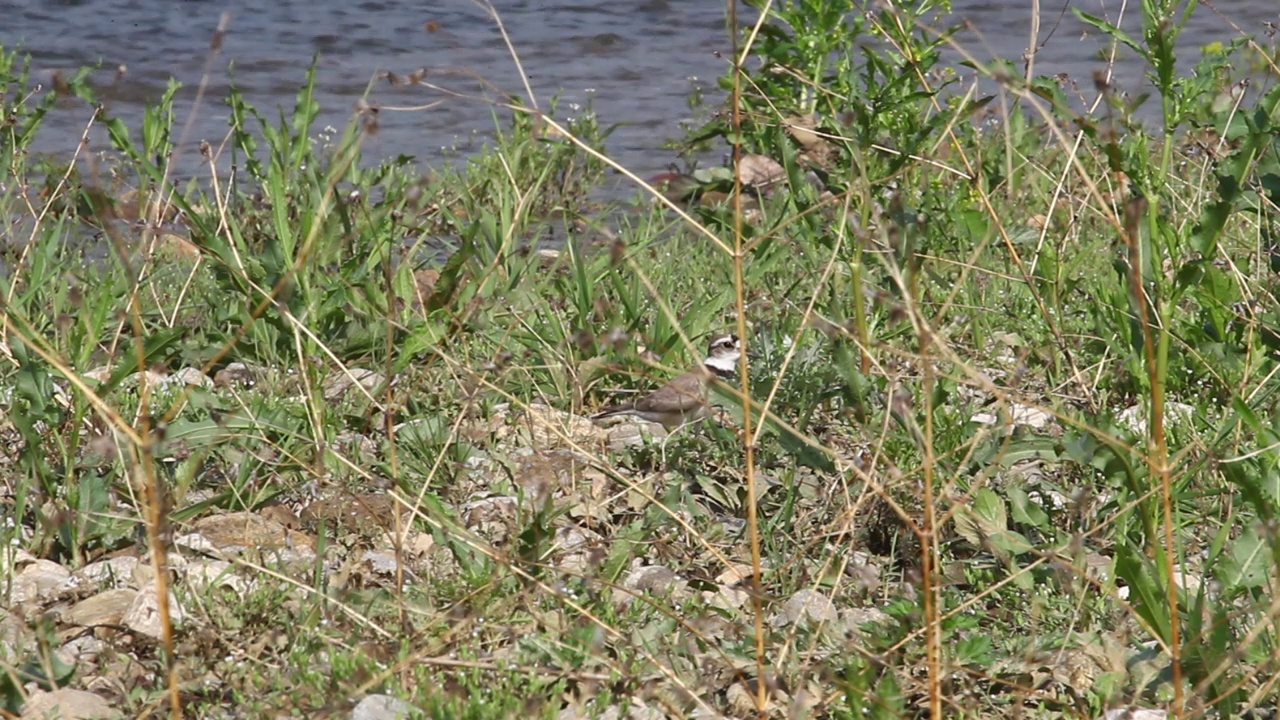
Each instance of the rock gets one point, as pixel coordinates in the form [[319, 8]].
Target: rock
[[153, 380], [341, 381], [143, 616], [648, 578], [201, 575], [543, 474], [363, 514], [1133, 714], [105, 608], [112, 572], [231, 534], [853, 619], [1019, 414], [631, 432], [67, 704], [381, 563], [546, 427], [413, 544], [37, 581], [491, 517], [1135, 417], [193, 376], [760, 171], [731, 594], [82, 652], [381, 707], [99, 374], [236, 373], [806, 607], [578, 549]]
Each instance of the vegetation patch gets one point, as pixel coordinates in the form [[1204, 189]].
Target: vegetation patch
[[308, 433]]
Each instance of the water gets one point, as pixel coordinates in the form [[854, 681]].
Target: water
[[634, 62]]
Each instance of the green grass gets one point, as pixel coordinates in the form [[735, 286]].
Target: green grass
[[929, 256]]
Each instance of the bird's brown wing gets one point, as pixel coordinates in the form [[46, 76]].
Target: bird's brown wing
[[682, 395]]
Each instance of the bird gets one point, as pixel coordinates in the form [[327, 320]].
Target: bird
[[684, 399]]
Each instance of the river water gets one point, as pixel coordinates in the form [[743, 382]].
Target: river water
[[634, 62]]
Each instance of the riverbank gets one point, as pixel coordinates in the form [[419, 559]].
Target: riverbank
[[338, 411]]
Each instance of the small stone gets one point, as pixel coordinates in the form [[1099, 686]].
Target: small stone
[[105, 608], [1135, 417], [731, 595], [193, 376], [853, 619], [808, 607], [760, 170], [37, 581], [1019, 414], [236, 373], [649, 578], [341, 381], [234, 533], [381, 707], [550, 428], [67, 704], [1133, 714], [143, 616], [114, 571], [152, 379], [82, 651], [99, 374], [631, 432], [202, 575]]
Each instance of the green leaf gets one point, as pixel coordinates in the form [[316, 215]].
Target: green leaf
[[1248, 563], [1008, 543], [1113, 30], [975, 650], [1026, 512], [982, 518]]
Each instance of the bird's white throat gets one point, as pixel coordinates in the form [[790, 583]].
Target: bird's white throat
[[722, 365]]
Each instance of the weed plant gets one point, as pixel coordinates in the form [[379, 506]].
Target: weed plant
[[1007, 437]]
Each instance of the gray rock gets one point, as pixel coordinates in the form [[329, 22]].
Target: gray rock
[[82, 652], [853, 619], [381, 707], [1133, 714], [112, 572], [143, 616], [67, 704], [236, 373], [807, 605], [37, 581], [105, 608], [340, 382], [193, 376], [648, 578]]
